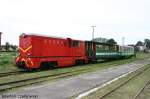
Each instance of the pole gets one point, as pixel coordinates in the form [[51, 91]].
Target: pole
[[123, 41], [93, 32]]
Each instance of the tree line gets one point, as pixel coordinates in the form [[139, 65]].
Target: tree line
[[145, 44], [9, 47]]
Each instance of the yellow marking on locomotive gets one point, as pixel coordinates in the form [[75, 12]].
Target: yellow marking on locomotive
[[25, 50], [30, 61], [23, 59], [26, 61]]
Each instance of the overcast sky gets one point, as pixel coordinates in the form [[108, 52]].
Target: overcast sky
[[74, 18]]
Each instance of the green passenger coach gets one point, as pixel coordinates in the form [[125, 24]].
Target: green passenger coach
[[109, 51]]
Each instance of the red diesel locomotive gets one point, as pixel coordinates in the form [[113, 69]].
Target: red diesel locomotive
[[38, 51]]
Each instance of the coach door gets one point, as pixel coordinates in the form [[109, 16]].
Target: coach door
[[89, 49]]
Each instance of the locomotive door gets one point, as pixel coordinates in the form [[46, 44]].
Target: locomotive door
[[70, 50]]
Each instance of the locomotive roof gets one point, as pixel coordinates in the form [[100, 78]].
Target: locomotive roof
[[43, 35]]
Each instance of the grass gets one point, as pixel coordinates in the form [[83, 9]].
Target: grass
[[7, 61], [127, 91]]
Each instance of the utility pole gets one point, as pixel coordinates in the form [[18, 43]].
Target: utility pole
[[123, 41], [93, 32]]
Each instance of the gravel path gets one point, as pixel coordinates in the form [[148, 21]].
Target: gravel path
[[68, 87]]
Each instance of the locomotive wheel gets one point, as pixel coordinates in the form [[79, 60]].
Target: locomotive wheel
[[48, 65], [80, 62]]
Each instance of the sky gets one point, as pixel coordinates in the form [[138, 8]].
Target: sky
[[73, 18]]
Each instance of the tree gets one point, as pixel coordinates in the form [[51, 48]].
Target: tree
[[111, 41], [7, 46], [139, 43], [147, 43], [14, 47]]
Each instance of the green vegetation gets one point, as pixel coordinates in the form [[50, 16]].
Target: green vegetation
[[146, 43], [7, 61], [111, 41], [127, 91]]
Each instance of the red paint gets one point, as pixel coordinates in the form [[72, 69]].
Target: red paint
[[50, 49]]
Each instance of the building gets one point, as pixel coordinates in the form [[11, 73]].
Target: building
[[141, 48]]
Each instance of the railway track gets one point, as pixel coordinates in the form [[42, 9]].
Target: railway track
[[4, 74], [20, 83], [141, 90], [11, 73], [137, 74]]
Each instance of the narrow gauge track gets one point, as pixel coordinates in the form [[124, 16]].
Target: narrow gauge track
[[11, 73], [4, 74], [105, 95], [141, 90], [35, 80]]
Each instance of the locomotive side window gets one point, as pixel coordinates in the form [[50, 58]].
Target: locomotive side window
[[102, 47], [75, 44]]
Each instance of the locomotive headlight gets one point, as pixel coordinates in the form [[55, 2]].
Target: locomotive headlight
[[19, 54], [29, 54]]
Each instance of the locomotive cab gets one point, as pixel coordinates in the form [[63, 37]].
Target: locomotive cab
[[25, 51]]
